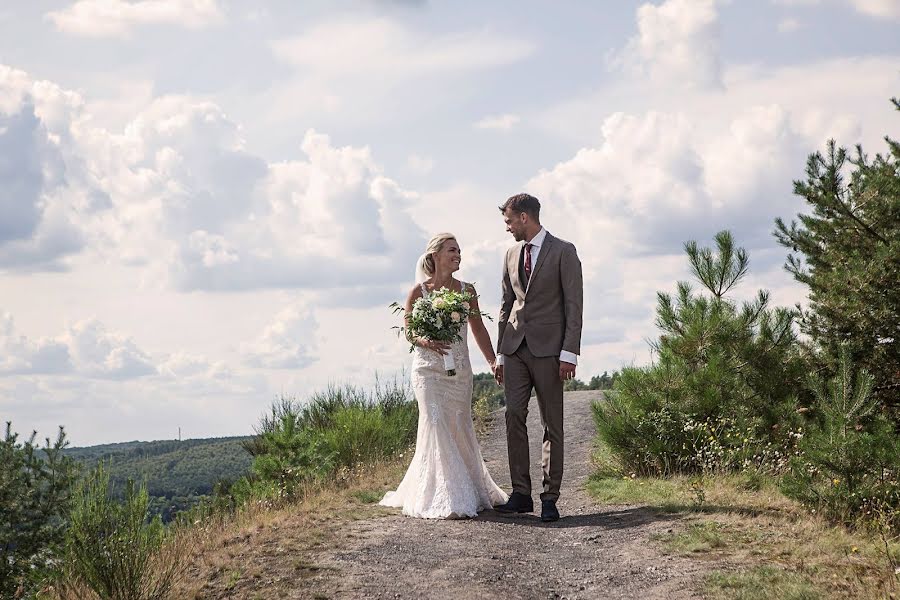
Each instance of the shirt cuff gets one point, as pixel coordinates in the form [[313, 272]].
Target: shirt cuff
[[499, 361], [569, 357]]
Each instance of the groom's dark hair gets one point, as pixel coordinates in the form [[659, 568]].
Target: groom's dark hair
[[523, 203]]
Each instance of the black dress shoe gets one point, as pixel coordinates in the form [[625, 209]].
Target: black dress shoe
[[517, 503], [549, 511]]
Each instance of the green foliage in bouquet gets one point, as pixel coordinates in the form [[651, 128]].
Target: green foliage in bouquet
[[439, 317], [849, 462], [721, 394], [35, 492]]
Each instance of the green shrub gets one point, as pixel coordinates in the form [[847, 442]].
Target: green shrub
[[721, 395], [334, 432], [113, 548], [849, 465], [35, 488]]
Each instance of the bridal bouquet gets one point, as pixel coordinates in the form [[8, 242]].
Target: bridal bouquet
[[439, 317]]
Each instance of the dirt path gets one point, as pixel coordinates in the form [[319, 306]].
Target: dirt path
[[592, 552]]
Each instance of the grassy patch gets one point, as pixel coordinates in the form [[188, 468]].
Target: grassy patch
[[698, 537], [760, 583], [765, 545], [367, 496], [664, 493]]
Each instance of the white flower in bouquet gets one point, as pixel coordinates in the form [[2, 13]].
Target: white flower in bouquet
[[439, 317]]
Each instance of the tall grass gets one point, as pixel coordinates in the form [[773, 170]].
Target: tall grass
[[334, 432]]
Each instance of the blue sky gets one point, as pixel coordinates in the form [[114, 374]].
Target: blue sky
[[205, 204]]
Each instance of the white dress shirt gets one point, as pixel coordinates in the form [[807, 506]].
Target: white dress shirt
[[536, 242]]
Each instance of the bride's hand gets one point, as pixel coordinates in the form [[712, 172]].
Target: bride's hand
[[434, 345]]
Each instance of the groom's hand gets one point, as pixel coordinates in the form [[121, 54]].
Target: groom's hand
[[498, 374], [566, 371]]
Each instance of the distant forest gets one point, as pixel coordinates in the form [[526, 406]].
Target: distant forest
[[177, 473]]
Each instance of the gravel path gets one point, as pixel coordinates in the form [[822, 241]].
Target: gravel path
[[592, 552]]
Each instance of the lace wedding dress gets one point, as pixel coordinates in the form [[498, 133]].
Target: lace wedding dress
[[447, 478]]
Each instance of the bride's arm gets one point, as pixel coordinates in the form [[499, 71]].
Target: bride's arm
[[482, 338]]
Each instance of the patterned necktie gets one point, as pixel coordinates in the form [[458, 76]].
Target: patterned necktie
[[528, 248]]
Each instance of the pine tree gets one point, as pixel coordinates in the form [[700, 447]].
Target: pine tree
[[724, 390], [847, 250], [847, 465], [35, 494]]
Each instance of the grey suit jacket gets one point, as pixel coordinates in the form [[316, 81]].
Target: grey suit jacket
[[547, 314]]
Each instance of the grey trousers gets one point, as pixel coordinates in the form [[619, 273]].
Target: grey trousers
[[523, 372]]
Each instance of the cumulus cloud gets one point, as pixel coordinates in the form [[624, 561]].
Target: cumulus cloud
[[19, 355], [330, 221], [43, 186], [288, 342], [86, 349], [503, 122], [99, 353], [677, 44], [882, 9], [178, 192], [105, 18], [879, 9], [656, 179]]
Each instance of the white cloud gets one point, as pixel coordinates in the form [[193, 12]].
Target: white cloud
[[879, 9], [882, 9], [288, 342], [99, 353], [20, 355], [103, 18], [383, 48], [503, 122], [44, 189], [677, 43], [178, 193]]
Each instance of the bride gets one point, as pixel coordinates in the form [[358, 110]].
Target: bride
[[447, 478]]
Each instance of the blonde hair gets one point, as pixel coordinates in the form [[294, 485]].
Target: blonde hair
[[426, 263]]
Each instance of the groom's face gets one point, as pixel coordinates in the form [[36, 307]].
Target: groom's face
[[515, 223]]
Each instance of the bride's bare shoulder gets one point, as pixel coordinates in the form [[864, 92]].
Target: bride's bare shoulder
[[415, 292]]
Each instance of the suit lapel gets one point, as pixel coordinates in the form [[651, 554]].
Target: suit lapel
[[513, 268], [545, 250]]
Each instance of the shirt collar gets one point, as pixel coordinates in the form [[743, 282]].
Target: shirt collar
[[538, 239]]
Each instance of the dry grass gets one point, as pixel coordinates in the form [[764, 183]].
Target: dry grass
[[764, 544], [272, 550]]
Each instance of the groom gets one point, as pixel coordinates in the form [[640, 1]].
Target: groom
[[537, 347]]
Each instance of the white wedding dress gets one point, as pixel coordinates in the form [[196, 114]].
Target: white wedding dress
[[447, 478]]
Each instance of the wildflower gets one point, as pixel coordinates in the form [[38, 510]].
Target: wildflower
[[835, 481]]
